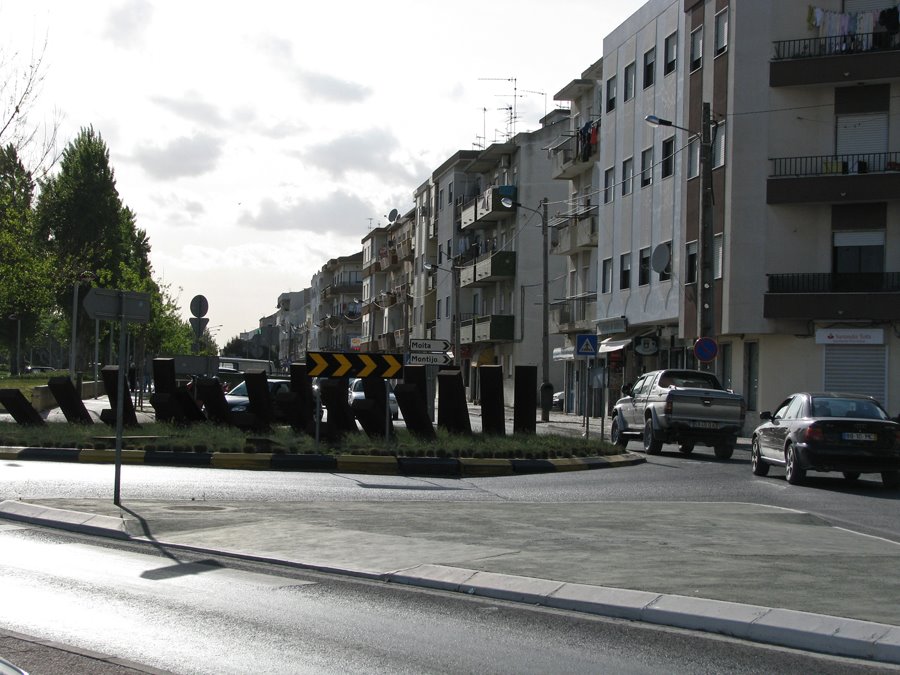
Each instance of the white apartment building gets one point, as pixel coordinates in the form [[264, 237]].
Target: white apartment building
[[804, 160]]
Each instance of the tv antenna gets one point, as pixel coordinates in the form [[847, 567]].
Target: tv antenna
[[513, 115]]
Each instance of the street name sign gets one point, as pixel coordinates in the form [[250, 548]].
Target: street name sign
[[419, 345], [353, 364]]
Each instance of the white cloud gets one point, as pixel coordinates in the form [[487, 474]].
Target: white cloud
[[185, 156]]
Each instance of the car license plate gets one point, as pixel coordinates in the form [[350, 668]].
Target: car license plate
[[856, 436], [705, 425]]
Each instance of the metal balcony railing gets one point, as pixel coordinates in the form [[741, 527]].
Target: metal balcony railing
[[825, 165], [862, 282], [836, 45]]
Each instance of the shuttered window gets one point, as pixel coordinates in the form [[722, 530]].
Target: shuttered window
[[860, 369]]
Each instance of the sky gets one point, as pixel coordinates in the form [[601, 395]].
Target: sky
[[256, 141]]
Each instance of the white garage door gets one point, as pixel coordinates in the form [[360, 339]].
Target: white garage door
[[861, 369]]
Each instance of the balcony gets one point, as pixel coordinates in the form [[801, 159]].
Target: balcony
[[834, 178], [574, 315], [488, 328], [488, 268], [834, 60], [342, 288], [567, 163], [388, 258], [400, 337], [386, 342], [817, 296], [486, 209], [405, 249]]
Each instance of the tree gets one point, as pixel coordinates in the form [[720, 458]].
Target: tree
[[26, 276], [20, 87]]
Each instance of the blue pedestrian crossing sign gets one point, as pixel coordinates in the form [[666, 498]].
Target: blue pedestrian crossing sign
[[586, 345]]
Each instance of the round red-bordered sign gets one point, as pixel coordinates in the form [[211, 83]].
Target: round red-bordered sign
[[706, 349]]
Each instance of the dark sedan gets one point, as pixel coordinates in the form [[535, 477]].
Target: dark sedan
[[850, 433]]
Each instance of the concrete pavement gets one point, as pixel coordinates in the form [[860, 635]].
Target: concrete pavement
[[756, 572]]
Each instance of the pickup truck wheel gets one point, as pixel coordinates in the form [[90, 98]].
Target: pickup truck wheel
[[851, 476], [652, 446], [615, 433], [757, 463], [686, 448], [793, 474], [724, 451]]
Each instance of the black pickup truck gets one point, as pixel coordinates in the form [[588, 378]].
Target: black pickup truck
[[687, 407]]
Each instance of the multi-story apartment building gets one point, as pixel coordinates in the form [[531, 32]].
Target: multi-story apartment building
[[574, 158], [337, 314], [388, 260], [803, 170], [480, 231], [641, 280], [293, 320]]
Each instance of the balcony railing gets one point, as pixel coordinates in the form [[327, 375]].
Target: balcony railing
[[863, 282], [837, 45], [825, 165]]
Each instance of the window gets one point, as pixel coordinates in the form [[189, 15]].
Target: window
[[668, 157], [441, 200], [721, 31], [438, 313], [447, 307], [644, 267], [606, 280], [450, 193], [697, 49], [627, 171], [858, 251], [649, 67], [718, 250], [611, 94], [609, 182], [625, 271], [718, 146], [629, 82], [646, 167], [795, 409], [671, 55], [666, 273], [693, 158], [690, 263]]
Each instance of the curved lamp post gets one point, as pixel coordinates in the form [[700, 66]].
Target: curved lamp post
[[546, 385], [707, 324]]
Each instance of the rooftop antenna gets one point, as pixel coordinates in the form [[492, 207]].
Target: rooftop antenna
[[514, 97], [370, 222], [539, 93]]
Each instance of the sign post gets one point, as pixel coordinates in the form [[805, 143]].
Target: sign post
[[109, 304]]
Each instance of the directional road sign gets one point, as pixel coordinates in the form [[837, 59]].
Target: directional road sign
[[429, 359], [418, 345], [353, 364], [107, 304]]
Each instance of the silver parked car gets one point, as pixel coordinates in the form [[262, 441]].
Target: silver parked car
[[356, 392]]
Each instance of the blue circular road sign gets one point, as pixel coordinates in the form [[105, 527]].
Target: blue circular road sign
[[705, 349]]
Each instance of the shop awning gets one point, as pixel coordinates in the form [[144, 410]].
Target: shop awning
[[610, 345]]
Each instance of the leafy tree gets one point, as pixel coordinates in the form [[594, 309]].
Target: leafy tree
[[27, 276]]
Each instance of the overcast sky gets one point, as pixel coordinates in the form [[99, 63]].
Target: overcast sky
[[256, 141]]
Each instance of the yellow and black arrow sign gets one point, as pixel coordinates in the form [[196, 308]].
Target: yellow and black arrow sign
[[351, 364]]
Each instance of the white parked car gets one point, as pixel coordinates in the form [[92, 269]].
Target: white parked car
[[356, 392]]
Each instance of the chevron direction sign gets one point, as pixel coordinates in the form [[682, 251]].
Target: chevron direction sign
[[353, 364]]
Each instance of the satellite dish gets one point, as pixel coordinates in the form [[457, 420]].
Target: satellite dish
[[659, 259], [392, 216]]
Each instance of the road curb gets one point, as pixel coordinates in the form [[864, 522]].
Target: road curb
[[386, 465]]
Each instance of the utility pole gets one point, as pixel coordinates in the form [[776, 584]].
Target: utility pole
[[707, 317], [546, 386]]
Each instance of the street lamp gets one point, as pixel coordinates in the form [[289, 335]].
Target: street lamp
[[455, 328], [84, 276], [706, 319], [546, 385]]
